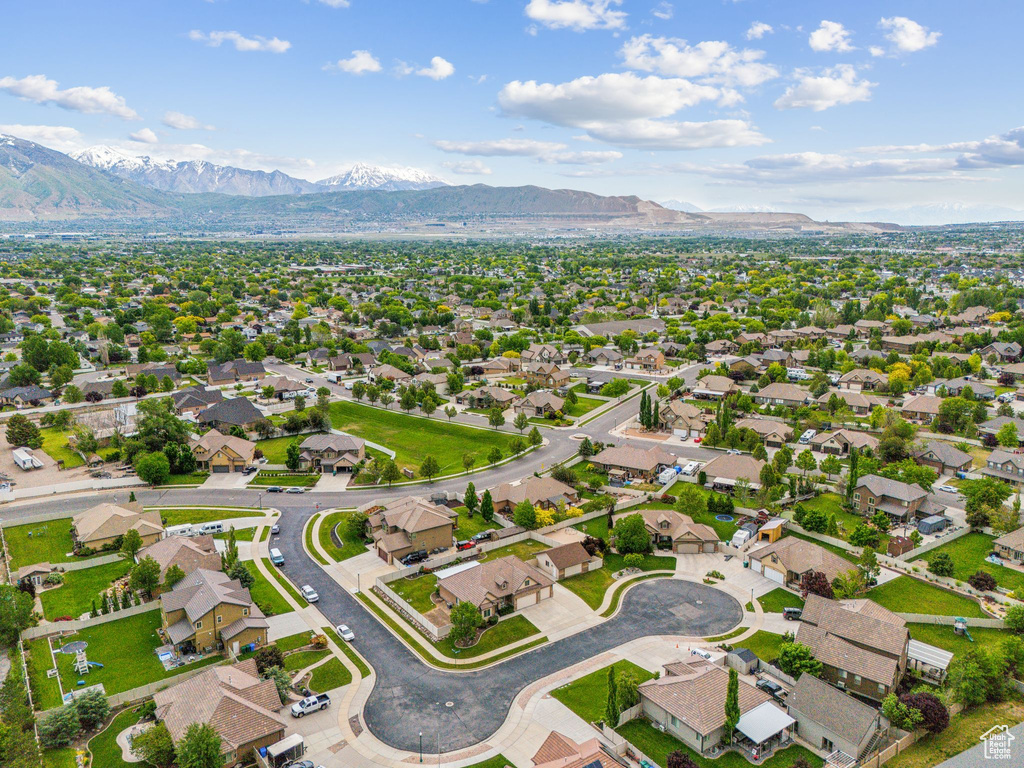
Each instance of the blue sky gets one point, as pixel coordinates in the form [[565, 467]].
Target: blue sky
[[831, 108]]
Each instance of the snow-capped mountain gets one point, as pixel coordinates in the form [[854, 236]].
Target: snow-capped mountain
[[191, 176], [362, 177], [940, 213], [680, 205]]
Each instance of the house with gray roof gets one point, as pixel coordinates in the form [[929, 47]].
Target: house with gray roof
[[830, 720]]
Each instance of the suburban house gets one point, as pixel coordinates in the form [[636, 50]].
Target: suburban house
[[487, 398], [545, 374], [857, 402], [282, 386], [714, 388], [240, 706], [331, 453], [649, 359], [190, 553], [605, 356], [1011, 546], [217, 453], [495, 586], [105, 524], [672, 530], [626, 461], [1005, 466], [943, 457], [234, 371], [207, 608], [921, 408], [236, 412], [860, 379], [500, 366], [407, 525], [779, 393], [861, 645], [840, 442], [1004, 352], [724, 471], [833, 721], [539, 403], [567, 560], [901, 501], [543, 492], [559, 751], [543, 353], [992, 426], [788, 559], [688, 702], [23, 397], [774, 434], [195, 400], [683, 418]]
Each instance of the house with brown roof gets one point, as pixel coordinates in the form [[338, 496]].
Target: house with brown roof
[[901, 501], [559, 751], [724, 471], [104, 525], [921, 408], [787, 560], [539, 403], [567, 560], [219, 453], [1011, 546], [861, 645], [857, 402], [648, 359], [860, 379], [234, 700], [545, 374], [234, 412], [331, 453], [839, 442], [544, 353], [672, 530], [234, 371], [208, 608], [682, 418], [774, 434], [543, 492], [1005, 466], [780, 393], [189, 553], [628, 461], [943, 457], [407, 525], [486, 398], [831, 720], [713, 387], [195, 400], [495, 586]]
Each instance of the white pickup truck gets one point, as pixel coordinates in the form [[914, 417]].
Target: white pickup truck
[[311, 704]]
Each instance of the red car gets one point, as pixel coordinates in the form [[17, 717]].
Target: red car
[[697, 439], [462, 545]]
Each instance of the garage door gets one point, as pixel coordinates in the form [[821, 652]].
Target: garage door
[[777, 576], [688, 548], [755, 566], [220, 469], [526, 600]]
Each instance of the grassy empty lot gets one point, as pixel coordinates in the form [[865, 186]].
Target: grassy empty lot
[[45, 691], [265, 595], [590, 586], [968, 553], [416, 592], [501, 634], [48, 542], [197, 516], [330, 675], [413, 438], [524, 550], [779, 598], [906, 594], [125, 648], [275, 450], [80, 588], [352, 545], [55, 445], [962, 733], [588, 695], [943, 636]]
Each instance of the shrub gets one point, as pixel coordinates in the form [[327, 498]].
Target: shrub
[[633, 560], [941, 564], [982, 581]]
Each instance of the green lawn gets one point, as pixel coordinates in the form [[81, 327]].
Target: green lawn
[[587, 696], [347, 650], [48, 542], [242, 534], [598, 527], [308, 535], [832, 504], [55, 445], [125, 648], [351, 545], [270, 601], [293, 662], [614, 562], [584, 405], [943, 636], [503, 633], [45, 690], [524, 550], [104, 747], [657, 745], [285, 481], [961, 734], [590, 586], [498, 761], [413, 438], [285, 584], [417, 591], [196, 478], [765, 645], [291, 642], [330, 675], [470, 526], [197, 516], [968, 553], [779, 598], [906, 594], [80, 588], [60, 757], [275, 450]]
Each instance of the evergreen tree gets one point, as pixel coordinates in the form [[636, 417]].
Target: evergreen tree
[[470, 499], [487, 507], [611, 711], [732, 704]]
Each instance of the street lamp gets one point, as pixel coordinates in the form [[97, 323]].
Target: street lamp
[[421, 746]]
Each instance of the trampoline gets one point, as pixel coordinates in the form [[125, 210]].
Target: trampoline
[[74, 646], [724, 518]]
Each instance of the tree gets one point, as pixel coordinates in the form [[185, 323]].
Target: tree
[[465, 619], [450, 411], [1007, 435], [831, 465], [900, 714], [934, 715], [864, 535], [796, 658], [806, 462], [732, 704], [495, 455], [631, 535], [611, 709], [627, 691], [679, 759], [982, 581], [153, 468], [430, 468], [386, 399], [487, 506], [282, 681], [521, 421], [941, 564], [1014, 619], [23, 433], [525, 515], [131, 543], [470, 499], [268, 657], [60, 727], [534, 437], [468, 460], [145, 576], [154, 746], [849, 584], [239, 572], [390, 472], [92, 708], [200, 747], [293, 455], [975, 676], [691, 501], [495, 417], [815, 583], [173, 575]]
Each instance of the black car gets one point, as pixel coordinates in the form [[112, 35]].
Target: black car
[[415, 557], [774, 689], [482, 536], [792, 614]]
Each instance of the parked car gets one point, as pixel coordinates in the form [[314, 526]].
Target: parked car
[[464, 545], [275, 528], [296, 489], [772, 688], [482, 536], [946, 488], [309, 379], [309, 594], [275, 489], [311, 704], [792, 614], [249, 470], [415, 557], [346, 634], [734, 452], [702, 653]]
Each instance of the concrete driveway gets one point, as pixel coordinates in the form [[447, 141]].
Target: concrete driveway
[[226, 481], [561, 614], [329, 482]]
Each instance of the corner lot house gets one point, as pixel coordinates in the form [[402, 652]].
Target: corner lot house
[[331, 453], [861, 645], [219, 453], [496, 586], [190, 553], [206, 608], [103, 525], [630, 462], [408, 525], [788, 559], [671, 530], [830, 720], [240, 706], [567, 560]]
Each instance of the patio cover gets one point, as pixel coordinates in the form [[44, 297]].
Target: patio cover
[[763, 721], [929, 654]]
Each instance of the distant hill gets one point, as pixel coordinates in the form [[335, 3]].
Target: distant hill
[[362, 177]]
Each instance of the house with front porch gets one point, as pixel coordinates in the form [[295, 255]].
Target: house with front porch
[[677, 532], [331, 453], [496, 587]]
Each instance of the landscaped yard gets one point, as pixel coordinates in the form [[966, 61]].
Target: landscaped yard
[[598, 527], [241, 534], [196, 516], [657, 745], [413, 438], [588, 695], [968, 554], [330, 675], [779, 598], [351, 545], [583, 406], [106, 752], [962, 733], [125, 648], [285, 584], [60, 757], [45, 691], [270, 601], [614, 562], [470, 526], [55, 445], [524, 550], [943, 636], [196, 478], [765, 645], [416, 592], [80, 589], [590, 586], [293, 662], [906, 594], [48, 542], [506, 632]]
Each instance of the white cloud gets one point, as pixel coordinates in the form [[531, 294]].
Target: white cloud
[[439, 69], [663, 11], [588, 157], [359, 63], [577, 15], [500, 147], [1004, 150], [671, 135], [468, 168], [711, 60], [144, 135], [41, 90], [241, 43], [336, 3], [839, 85], [820, 168], [908, 36], [876, 51], [60, 137], [758, 30], [182, 122], [830, 36], [402, 68]]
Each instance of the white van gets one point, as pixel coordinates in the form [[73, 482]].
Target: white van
[[805, 438], [276, 557], [206, 528]]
